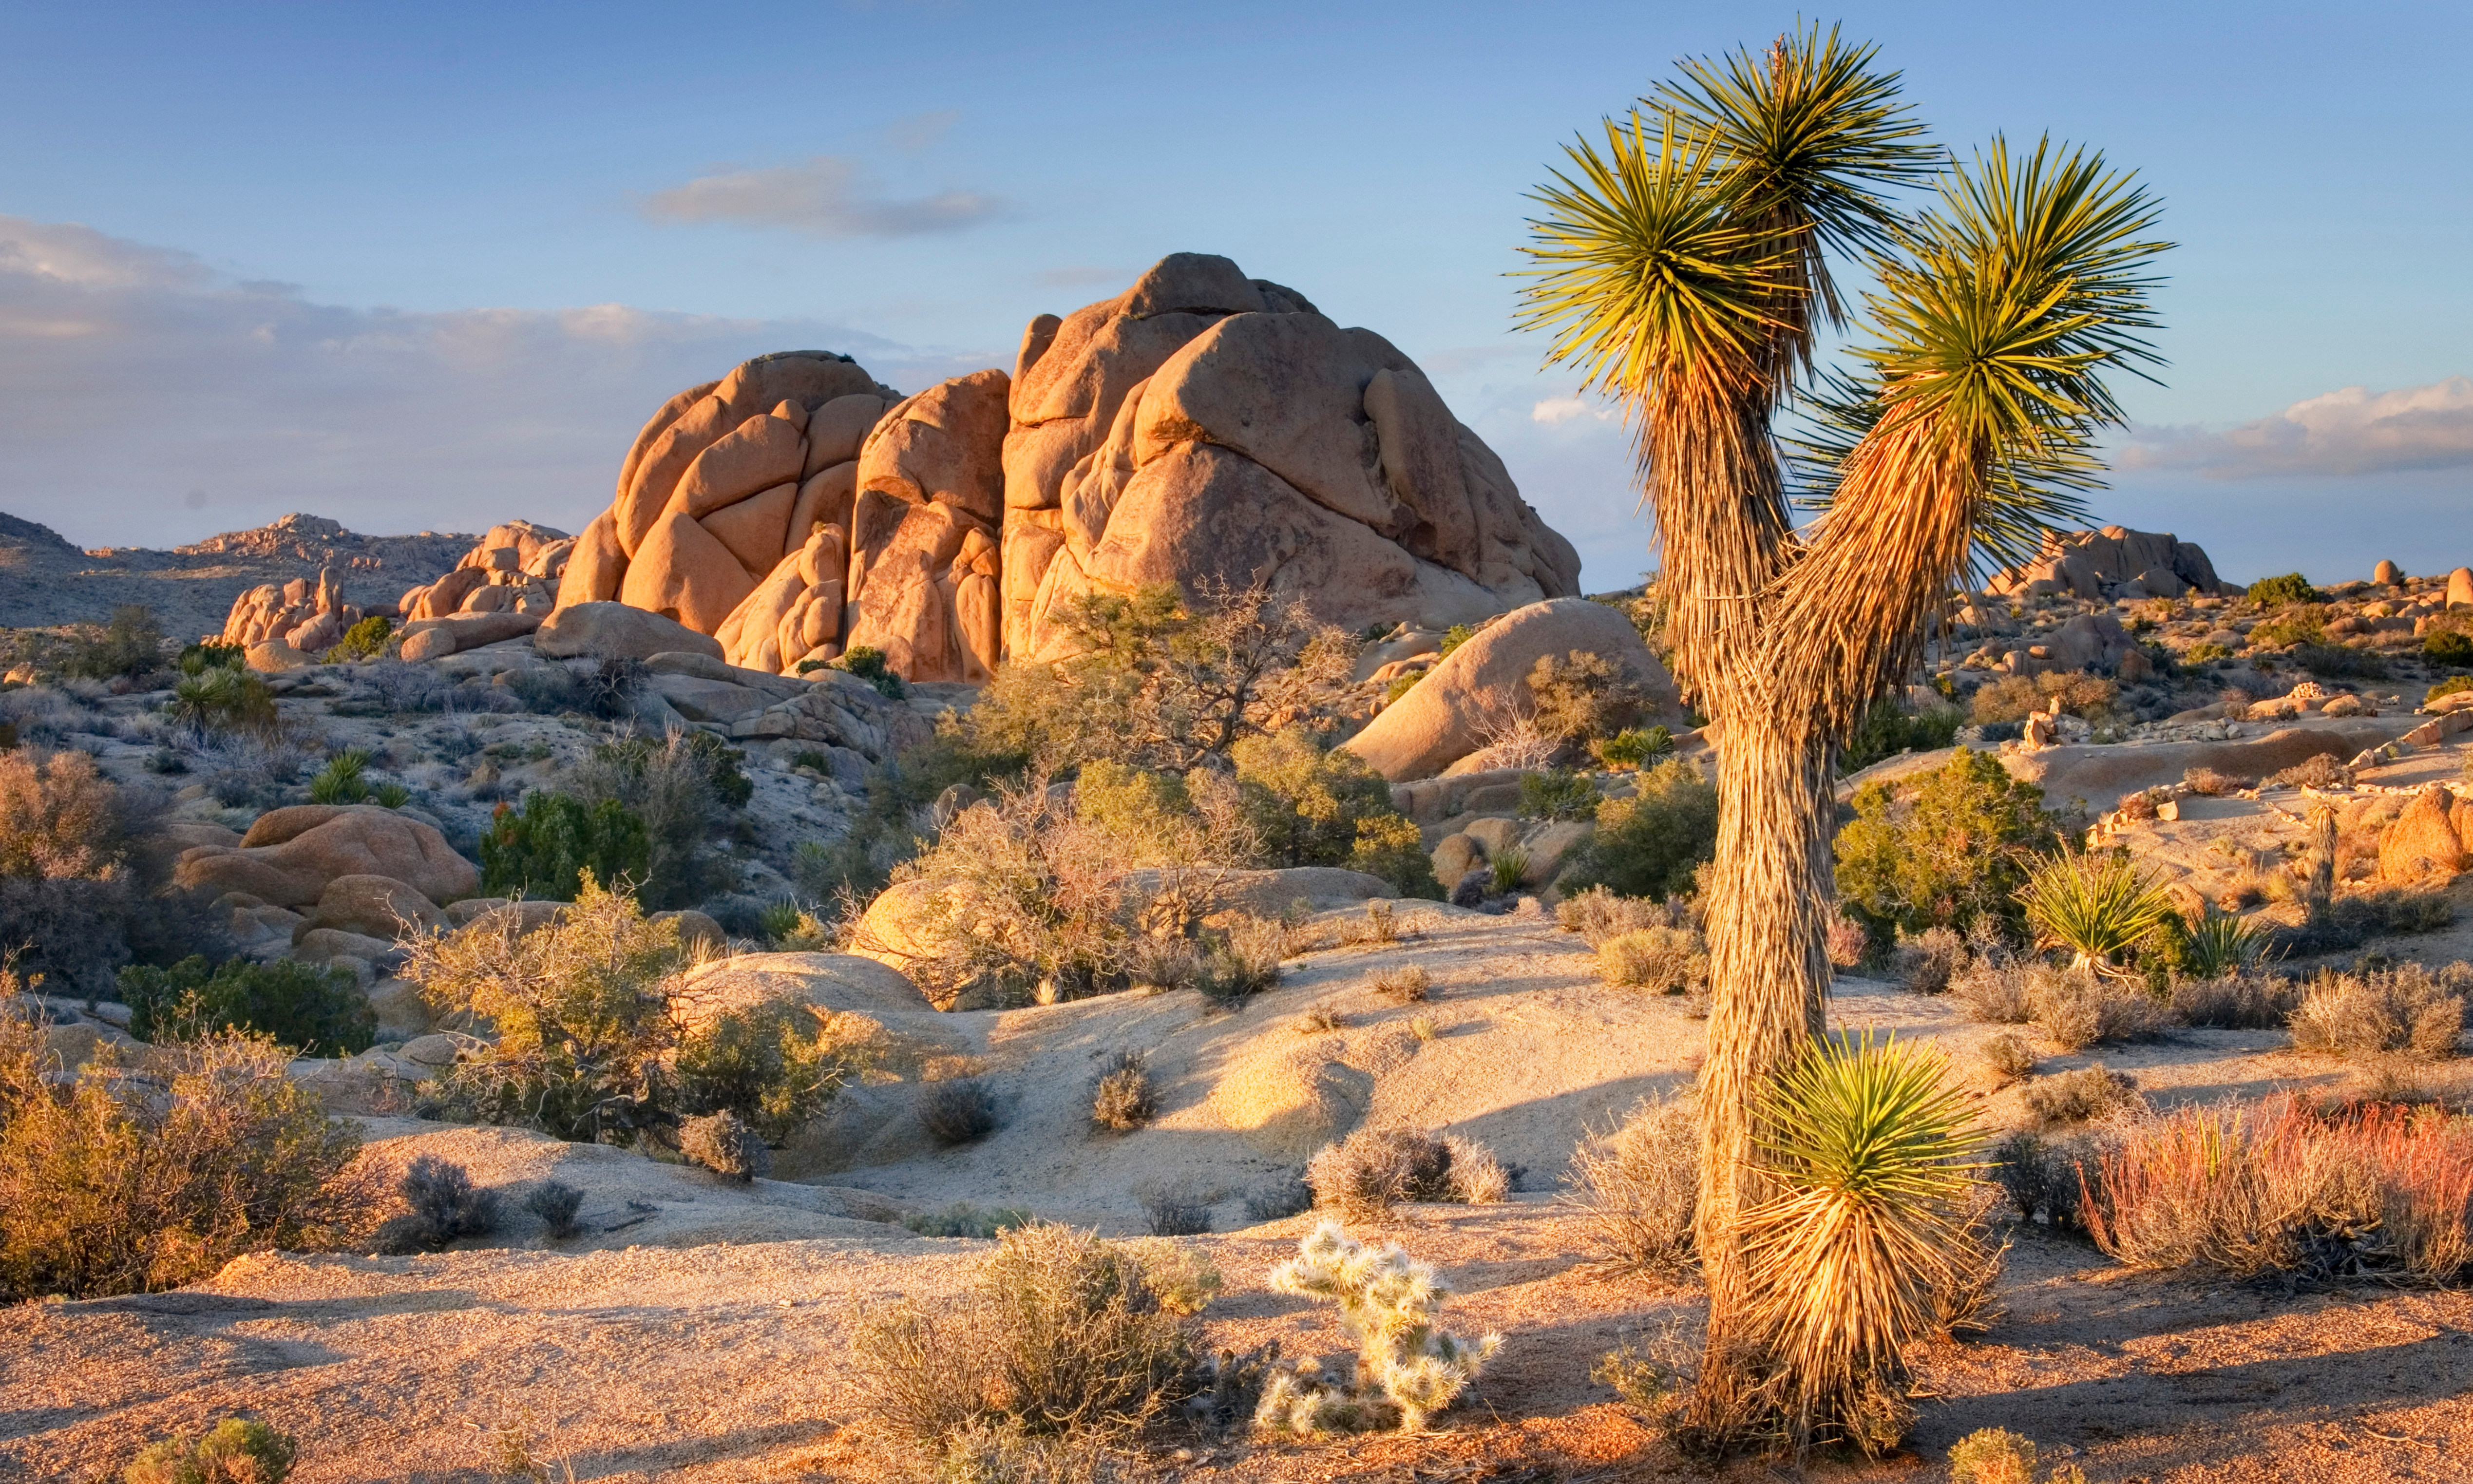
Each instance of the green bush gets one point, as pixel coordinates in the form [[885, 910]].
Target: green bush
[[767, 1065], [1557, 794], [2010, 698], [366, 639], [131, 644], [1582, 695], [1453, 637], [2303, 623], [238, 1451], [1390, 847], [2447, 646], [543, 851], [115, 1183], [2448, 687], [207, 655], [2342, 659], [1890, 730], [868, 664], [2205, 652], [2279, 591], [340, 781], [1950, 851], [317, 1012], [1632, 748], [680, 787], [221, 699], [1302, 802], [1650, 843]]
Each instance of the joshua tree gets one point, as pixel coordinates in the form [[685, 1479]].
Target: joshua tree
[[1683, 267]]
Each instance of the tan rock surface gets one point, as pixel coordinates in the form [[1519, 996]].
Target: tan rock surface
[[616, 629]]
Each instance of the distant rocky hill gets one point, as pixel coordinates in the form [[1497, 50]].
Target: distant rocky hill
[[44, 580]]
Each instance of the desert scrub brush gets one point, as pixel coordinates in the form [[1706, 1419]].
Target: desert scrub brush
[[1407, 1366]]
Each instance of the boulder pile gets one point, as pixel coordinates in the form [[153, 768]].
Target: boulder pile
[[2112, 563], [513, 568], [306, 617], [1201, 428]]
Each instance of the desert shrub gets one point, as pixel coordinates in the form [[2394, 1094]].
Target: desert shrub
[[545, 851], [132, 643], [1873, 1224], [1173, 1207], [957, 1111], [1582, 695], [2319, 770], [1660, 960], [1504, 873], [2205, 652], [1390, 847], [1925, 962], [2380, 1191], [2075, 1096], [2039, 1176], [1064, 1336], [772, 1067], [1372, 1170], [2407, 1008], [1889, 729], [207, 655], [2302, 623], [2349, 922], [1557, 796], [2447, 647], [2008, 1054], [2097, 905], [1164, 681], [1407, 1367], [1650, 843], [2274, 592], [1122, 1099], [2013, 697], [2212, 783], [1406, 984], [221, 699], [2342, 659], [723, 1143], [1848, 942], [680, 787], [1633, 748], [2075, 1009], [315, 1010], [116, 1185], [238, 1450], [556, 1203], [2218, 944], [1280, 1199], [1947, 848], [1477, 1177], [1241, 960], [868, 664], [59, 816], [341, 780], [440, 1206], [1597, 914], [1992, 1455], [2450, 686], [1639, 1181], [2234, 1001], [965, 1220], [1318, 1020], [792, 927], [366, 639]]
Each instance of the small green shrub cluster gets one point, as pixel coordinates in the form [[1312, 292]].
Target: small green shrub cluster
[[681, 788], [1557, 794], [131, 644], [2448, 687], [1309, 805], [1651, 844], [238, 1450], [1888, 730], [545, 851], [364, 641], [1581, 695], [2448, 647], [2205, 652], [221, 698], [963, 1219], [1947, 848], [1633, 748], [868, 664], [341, 780], [2291, 587], [207, 655], [2014, 696], [315, 1010]]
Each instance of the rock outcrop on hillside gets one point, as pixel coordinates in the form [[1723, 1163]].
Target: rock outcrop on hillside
[[1201, 428], [2112, 563]]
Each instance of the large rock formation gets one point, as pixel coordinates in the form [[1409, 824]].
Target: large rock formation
[[516, 568], [2111, 564], [308, 617], [1201, 428], [1206, 427]]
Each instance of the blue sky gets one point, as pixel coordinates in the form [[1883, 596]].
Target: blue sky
[[428, 267]]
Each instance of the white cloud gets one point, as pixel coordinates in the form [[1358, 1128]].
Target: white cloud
[[2354, 431], [146, 401], [1555, 410], [827, 196]]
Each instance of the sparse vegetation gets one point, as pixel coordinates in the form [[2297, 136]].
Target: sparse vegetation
[[2075, 1096], [962, 1219], [957, 1111], [2407, 1008], [1372, 1170], [1557, 794], [2013, 698], [1925, 962], [238, 1450], [556, 1203], [1633, 748], [1122, 1099], [312, 1010], [2008, 1054], [440, 1206], [131, 644], [1405, 984], [681, 788], [1650, 843], [1640, 1181], [1174, 1207], [1660, 960], [1580, 696], [723, 1143], [1598, 915], [109, 1185]]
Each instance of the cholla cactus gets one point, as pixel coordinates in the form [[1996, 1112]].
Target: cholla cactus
[[1387, 1304]]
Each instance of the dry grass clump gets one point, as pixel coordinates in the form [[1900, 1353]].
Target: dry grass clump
[[2212, 783], [237, 1452], [957, 1111], [1121, 1096], [2407, 1008], [2235, 1002], [1174, 1207], [723, 1143], [1925, 962], [1404, 985], [2040, 1177], [1640, 1183], [1597, 914], [1066, 1339], [2319, 770], [1993, 1455], [1318, 1020], [1372, 1170], [1242, 961], [1661, 960], [2379, 1192], [2074, 1008], [1848, 942], [556, 1203], [59, 816], [112, 1183], [440, 1206], [2008, 1054], [2077, 1096]]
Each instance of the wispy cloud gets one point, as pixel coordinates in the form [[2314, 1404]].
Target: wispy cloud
[[1556, 410], [2354, 431], [916, 134], [827, 196], [146, 398]]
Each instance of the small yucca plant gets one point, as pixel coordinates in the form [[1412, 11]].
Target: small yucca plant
[[340, 781], [1388, 1301], [2097, 906], [2218, 943], [1872, 1150]]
